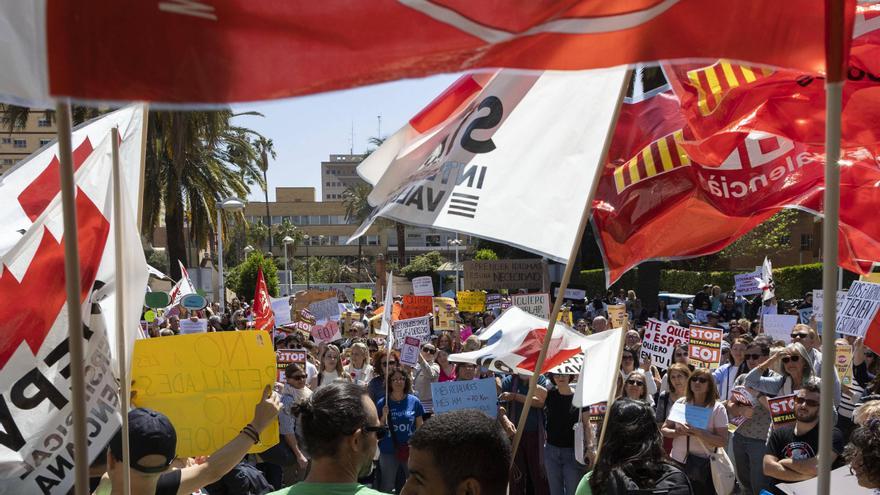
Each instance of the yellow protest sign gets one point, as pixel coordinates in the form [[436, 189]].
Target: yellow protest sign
[[565, 316], [444, 313], [361, 294], [617, 315], [471, 301], [207, 384], [843, 361]]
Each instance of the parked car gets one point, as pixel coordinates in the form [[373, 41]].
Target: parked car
[[673, 299]]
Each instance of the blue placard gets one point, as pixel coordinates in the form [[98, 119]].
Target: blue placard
[[467, 394], [697, 416], [193, 301]]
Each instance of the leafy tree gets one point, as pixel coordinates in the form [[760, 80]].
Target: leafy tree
[[399, 228], [424, 264], [357, 208], [503, 251], [157, 258], [266, 148], [243, 278], [773, 235], [485, 254]]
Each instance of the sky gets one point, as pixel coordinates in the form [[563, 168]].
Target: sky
[[306, 130]]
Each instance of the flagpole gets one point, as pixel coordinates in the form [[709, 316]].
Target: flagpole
[[569, 267], [121, 334], [835, 66], [74, 308], [613, 393], [143, 167]]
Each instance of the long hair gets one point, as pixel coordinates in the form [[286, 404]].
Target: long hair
[[379, 361], [801, 350], [338, 368], [678, 368], [711, 388], [633, 445], [407, 380]]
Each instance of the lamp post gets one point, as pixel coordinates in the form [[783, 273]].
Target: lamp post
[[287, 240], [455, 243], [248, 250], [307, 241], [229, 204]]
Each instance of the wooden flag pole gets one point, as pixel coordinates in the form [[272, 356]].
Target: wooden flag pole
[[74, 307], [569, 267], [121, 339], [613, 394]]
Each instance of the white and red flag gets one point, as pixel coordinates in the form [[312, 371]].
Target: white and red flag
[[35, 398], [264, 318], [183, 287], [201, 51]]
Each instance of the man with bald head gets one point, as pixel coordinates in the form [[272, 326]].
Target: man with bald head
[[600, 324]]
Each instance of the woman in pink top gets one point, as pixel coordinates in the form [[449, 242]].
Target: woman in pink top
[[447, 369]]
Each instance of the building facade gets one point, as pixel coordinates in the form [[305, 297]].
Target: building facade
[[21, 142], [339, 173]]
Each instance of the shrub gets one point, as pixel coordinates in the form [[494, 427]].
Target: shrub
[[243, 278]]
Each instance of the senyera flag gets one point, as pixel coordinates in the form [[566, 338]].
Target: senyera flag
[[264, 318], [36, 453], [201, 51], [496, 147]]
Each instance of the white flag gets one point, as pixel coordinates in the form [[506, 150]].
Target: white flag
[[183, 287], [492, 149], [387, 314], [600, 368], [765, 283]]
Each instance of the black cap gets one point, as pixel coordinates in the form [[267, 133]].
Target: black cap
[[149, 433], [713, 315]]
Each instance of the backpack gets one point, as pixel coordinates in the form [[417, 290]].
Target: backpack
[[671, 482]]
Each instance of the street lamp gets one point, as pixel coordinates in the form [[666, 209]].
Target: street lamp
[[231, 205], [307, 238], [287, 240], [455, 243], [248, 249]]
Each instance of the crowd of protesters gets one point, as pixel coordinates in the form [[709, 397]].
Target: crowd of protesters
[[354, 389]]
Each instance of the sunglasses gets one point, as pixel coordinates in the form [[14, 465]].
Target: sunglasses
[[430, 351], [804, 401], [870, 355], [799, 335], [297, 377], [680, 354], [700, 379], [381, 431], [635, 383], [791, 359], [753, 356], [627, 358]]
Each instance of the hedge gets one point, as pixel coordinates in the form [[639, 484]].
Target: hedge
[[791, 281]]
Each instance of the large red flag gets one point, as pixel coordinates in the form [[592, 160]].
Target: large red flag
[[238, 50], [264, 318]]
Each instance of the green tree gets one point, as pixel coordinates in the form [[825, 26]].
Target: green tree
[[266, 148], [485, 254], [423, 264], [243, 278], [358, 209], [399, 228]]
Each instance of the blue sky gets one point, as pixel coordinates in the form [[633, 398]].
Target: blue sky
[[307, 129]]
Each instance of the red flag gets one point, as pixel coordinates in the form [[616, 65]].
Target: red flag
[[237, 50], [264, 318]]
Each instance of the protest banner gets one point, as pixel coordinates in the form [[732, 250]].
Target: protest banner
[[747, 283], [444, 313], [597, 417], [281, 309], [805, 315], [843, 361], [303, 299], [704, 346], [535, 304], [423, 286], [779, 327], [419, 328], [468, 394], [859, 308], [573, 294], [325, 309], [409, 351], [691, 415], [504, 274], [818, 309], [740, 395], [702, 315], [493, 302], [207, 384], [326, 331], [572, 366], [781, 410], [471, 301], [617, 315], [362, 295], [283, 357], [660, 341], [189, 325], [416, 307]]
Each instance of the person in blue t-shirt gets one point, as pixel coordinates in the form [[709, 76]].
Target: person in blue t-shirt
[[403, 415]]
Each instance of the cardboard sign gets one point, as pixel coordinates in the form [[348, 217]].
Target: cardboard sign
[[504, 274], [805, 315], [207, 384], [818, 302], [326, 331], [779, 327], [691, 415], [471, 301], [535, 304], [702, 315], [747, 283], [419, 328], [660, 341], [409, 351], [281, 310], [188, 326], [493, 302], [444, 313], [361, 294], [283, 357], [617, 315], [781, 410], [704, 346], [573, 294], [416, 307], [843, 362], [597, 417], [423, 286], [859, 308], [325, 309], [469, 394], [303, 299]]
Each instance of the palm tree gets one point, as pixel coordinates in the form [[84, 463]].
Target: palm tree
[[266, 149], [398, 227], [354, 199]]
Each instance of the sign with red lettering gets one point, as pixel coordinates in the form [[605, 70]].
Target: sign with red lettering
[[782, 410], [283, 357], [660, 341], [704, 346], [326, 331], [416, 307], [597, 416]]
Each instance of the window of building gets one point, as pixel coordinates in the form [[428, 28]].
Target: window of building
[[432, 240], [372, 240], [6, 140], [7, 161], [806, 242], [43, 122], [44, 142], [20, 143], [276, 220]]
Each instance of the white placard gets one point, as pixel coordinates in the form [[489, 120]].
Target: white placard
[[535, 304], [818, 297], [281, 309], [747, 283], [419, 328], [660, 341], [189, 326], [859, 308], [327, 309], [779, 326], [575, 294], [409, 351], [423, 286]]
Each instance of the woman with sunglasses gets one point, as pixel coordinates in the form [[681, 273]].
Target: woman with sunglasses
[[629, 361], [381, 360], [726, 374], [797, 366], [635, 386], [424, 375], [750, 438], [331, 368], [402, 414], [295, 390], [691, 446]]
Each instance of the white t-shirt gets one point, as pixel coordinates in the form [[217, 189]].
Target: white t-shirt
[[360, 376], [680, 444], [311, 371]]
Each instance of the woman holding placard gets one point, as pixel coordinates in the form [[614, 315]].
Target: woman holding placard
[[359, 368], [797, 366], [403, 415], [330, 369], [698, 426]]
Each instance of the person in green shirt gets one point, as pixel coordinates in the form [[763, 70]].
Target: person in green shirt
[[340, 432]]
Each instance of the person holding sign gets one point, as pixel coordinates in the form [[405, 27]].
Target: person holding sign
[[424, 375], [792, 451], [359, 368], [797, 367], [331, 368], [700, 430], [402, 413]]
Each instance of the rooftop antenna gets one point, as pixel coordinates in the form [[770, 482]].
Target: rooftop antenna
[[351, 143], [379, 127]]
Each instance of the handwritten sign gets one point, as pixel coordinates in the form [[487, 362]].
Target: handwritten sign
[[303, 299], [281, 310], [423, 286], [409, 351], [326, 331], [471, 301], [325, 309], [444, 313], [504, 274], [416, 306], [779, 327], [419, 328], [207, 384], [660, 341], [283, 357], [363, 294], [469, 394], [617, 315], [535, 304], [704, 347], [818, 303], [747, 283], [859, 308], [781, 410], [188, 325], [689, 414]]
